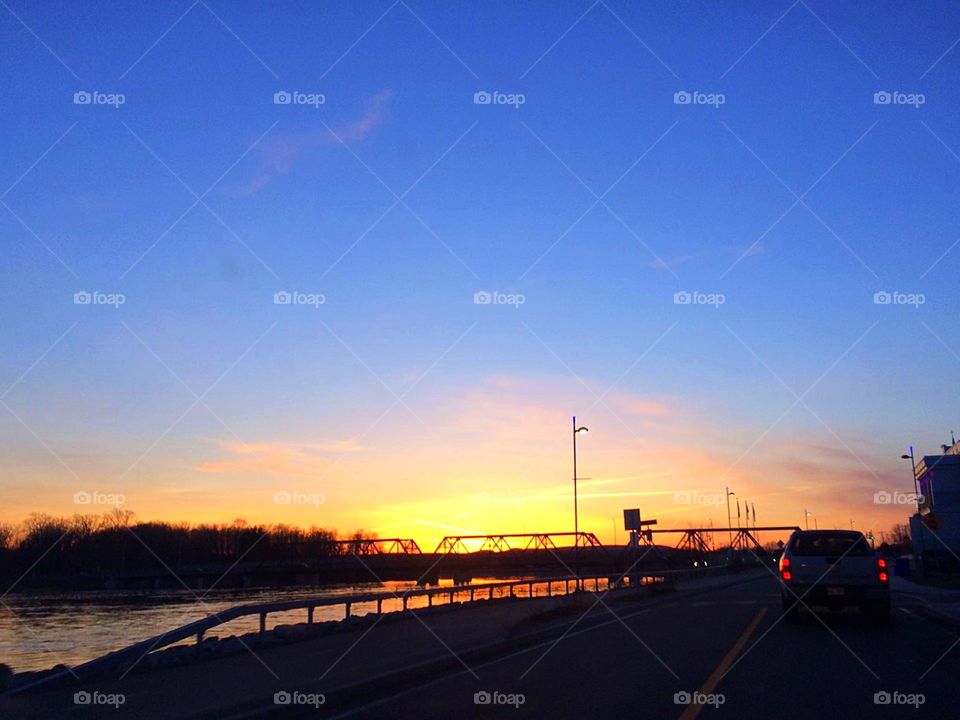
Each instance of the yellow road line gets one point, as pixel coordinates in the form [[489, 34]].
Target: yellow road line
[[692, 710]]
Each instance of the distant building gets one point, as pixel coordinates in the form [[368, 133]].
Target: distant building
[[938, 480]]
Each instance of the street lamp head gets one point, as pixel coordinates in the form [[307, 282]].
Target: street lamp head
[[581, 430], [904, 457]]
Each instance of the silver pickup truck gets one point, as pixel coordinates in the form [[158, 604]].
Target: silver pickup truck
[[833, 569]]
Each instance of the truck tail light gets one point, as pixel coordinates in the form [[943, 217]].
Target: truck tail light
[[882, 570], [785, 569]]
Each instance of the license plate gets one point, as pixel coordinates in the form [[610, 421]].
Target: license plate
[[834, 591]]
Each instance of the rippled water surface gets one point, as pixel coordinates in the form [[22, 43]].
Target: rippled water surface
[[40, 630]]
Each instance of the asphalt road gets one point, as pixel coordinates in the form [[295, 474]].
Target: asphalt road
[[729, 644]]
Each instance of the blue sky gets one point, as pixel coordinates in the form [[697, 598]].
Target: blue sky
[[695, 198]]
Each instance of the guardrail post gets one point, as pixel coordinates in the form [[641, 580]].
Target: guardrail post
[[530, 590], [491, 592], [404, 602], [549, 589], [347, 607], [451, 596], [471, 594], [429, 599], [199, 637], [511, 590], [263, 623], [379, 606], [310, 615]]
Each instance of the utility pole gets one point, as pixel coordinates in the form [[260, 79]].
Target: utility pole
[[729, 527], [576, 518]]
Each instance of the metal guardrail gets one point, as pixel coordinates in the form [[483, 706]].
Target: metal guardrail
[[132, 654]]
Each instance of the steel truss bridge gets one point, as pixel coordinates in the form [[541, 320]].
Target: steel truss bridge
[[694, 539], [378, 546], [743, 538], [456, 545]]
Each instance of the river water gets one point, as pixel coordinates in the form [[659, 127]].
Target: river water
[[40, 630]]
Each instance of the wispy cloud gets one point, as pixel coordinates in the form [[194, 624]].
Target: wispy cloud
[[279, 155], [280, 458]]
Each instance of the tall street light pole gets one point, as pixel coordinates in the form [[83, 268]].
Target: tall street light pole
[[916, 496], [913, 464], [729, 529], [576, 509]]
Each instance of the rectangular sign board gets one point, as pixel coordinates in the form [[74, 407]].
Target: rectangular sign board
[[631, 519]]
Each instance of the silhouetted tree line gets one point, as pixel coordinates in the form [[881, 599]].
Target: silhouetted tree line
[[45, 547]]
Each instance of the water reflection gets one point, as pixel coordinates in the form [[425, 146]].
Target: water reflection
[[39, 630]]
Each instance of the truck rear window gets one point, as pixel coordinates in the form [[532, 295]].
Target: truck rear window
[[830, 545]]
